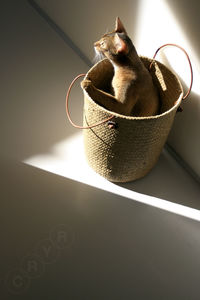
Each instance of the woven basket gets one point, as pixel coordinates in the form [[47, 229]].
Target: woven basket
[[126, 148]]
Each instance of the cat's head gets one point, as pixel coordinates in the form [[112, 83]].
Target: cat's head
[[115, 44]]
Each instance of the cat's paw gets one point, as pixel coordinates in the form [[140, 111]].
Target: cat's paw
[[86, 83]]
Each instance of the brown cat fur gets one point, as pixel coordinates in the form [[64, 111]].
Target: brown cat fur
[[134, 92]]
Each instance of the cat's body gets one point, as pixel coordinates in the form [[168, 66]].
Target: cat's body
[[132, 85]]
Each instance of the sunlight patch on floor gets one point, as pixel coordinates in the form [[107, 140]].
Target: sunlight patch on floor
[[67, 159]]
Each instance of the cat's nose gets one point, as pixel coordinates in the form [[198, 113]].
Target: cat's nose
[[96, 44]]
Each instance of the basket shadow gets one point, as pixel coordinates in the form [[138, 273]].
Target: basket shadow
[[168, 181]]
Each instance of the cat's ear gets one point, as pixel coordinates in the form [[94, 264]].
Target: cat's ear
[[119, 27], [121, 45]]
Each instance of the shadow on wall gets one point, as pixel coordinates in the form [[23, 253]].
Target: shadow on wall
[[86, 21], [37, 68]]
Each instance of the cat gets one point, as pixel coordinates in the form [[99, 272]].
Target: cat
[[133, 90]]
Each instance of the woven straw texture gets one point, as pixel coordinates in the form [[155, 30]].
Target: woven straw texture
[[129, 150]]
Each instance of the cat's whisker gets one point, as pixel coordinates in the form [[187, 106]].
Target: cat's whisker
[[98, 57]]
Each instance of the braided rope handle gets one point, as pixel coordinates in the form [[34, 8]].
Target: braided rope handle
[[190, 65]]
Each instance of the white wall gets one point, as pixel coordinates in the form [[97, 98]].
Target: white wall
[[150, 24]]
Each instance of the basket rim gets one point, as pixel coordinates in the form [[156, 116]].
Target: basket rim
[[117, 115]]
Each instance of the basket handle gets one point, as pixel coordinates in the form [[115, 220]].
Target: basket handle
[[190, 65], [67, 108]]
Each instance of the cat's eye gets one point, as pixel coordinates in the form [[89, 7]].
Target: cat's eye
[[102, 44]]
